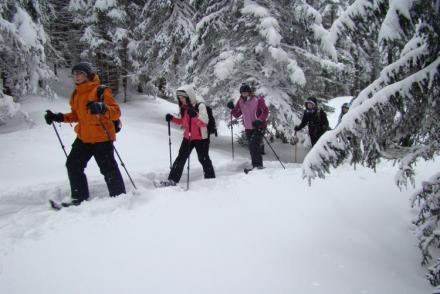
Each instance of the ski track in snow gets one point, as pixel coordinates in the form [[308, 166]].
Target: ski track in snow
[[27, 214]]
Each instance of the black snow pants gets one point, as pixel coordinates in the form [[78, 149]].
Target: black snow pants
[[77, 161], [202, 148], [255, 138]]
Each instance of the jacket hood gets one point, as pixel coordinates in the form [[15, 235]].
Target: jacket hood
[[188, 89], [95, 78], [311, 100]]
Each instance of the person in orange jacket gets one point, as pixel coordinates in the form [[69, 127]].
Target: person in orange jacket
[[95, 134]]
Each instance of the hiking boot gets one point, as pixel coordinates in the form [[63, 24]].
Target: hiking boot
[[74, 202], [167, 183]]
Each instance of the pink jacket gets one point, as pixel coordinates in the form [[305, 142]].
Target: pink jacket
[[198, 123], [252, 108]]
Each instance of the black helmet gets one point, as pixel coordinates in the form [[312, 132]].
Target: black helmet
[[245, 88]]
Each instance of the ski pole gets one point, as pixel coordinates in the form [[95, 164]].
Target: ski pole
[[295, 143], [295, 152], [276, 155], [116, 151], [189, 152], [232, 137], [169, 142], [59, 139]]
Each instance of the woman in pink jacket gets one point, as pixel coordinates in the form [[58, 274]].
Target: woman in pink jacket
[[192, 110], [254, 111]]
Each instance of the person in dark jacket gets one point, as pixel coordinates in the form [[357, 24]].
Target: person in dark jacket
[[255, 112], [315, 119], [95, 134]]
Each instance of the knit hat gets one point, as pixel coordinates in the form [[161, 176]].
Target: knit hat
[[245, 88], [182, 93], [345, 105], [84, 67]]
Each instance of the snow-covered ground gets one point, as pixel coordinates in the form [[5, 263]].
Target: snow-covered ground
[[266, 232]]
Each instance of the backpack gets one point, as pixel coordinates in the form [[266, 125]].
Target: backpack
[[322, 127], [212, 127], [100, 94]]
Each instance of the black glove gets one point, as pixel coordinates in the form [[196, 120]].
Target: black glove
[[168, 117], [50, 117], [297, 128], [96, 107], [257, 123], [192, 112], [230, 105]]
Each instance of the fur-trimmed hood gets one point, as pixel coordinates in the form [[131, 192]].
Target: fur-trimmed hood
[[189, 90]]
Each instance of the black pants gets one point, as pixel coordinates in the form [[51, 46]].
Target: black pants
[[255, 138], [77, 161], [202, 148]]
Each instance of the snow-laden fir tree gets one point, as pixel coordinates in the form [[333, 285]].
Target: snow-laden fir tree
[[281, 47], [428, 201], [63, 33], [23, 64], [262, 43], [104, 36], [330, 10], [161, 36], [360, 49], [306, 39], [396, 117]]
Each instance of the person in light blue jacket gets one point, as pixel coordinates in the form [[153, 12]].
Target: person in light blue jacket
[[344, 109]]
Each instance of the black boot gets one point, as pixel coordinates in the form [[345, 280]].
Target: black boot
[[74, 202], [58, 206], [166, 183]]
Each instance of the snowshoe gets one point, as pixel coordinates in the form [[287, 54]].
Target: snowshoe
[[58, 206], [247, 170], [165, 183]]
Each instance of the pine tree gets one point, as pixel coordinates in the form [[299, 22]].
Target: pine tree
[[104, 37], [360, 47], [23, 64], [262, 43], [427, 199], [396, 116], [63, 35], [160, 38]]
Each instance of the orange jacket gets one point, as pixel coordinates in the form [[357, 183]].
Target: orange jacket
[[89, 129]]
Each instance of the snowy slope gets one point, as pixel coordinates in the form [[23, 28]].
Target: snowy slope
[[266, 232]]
